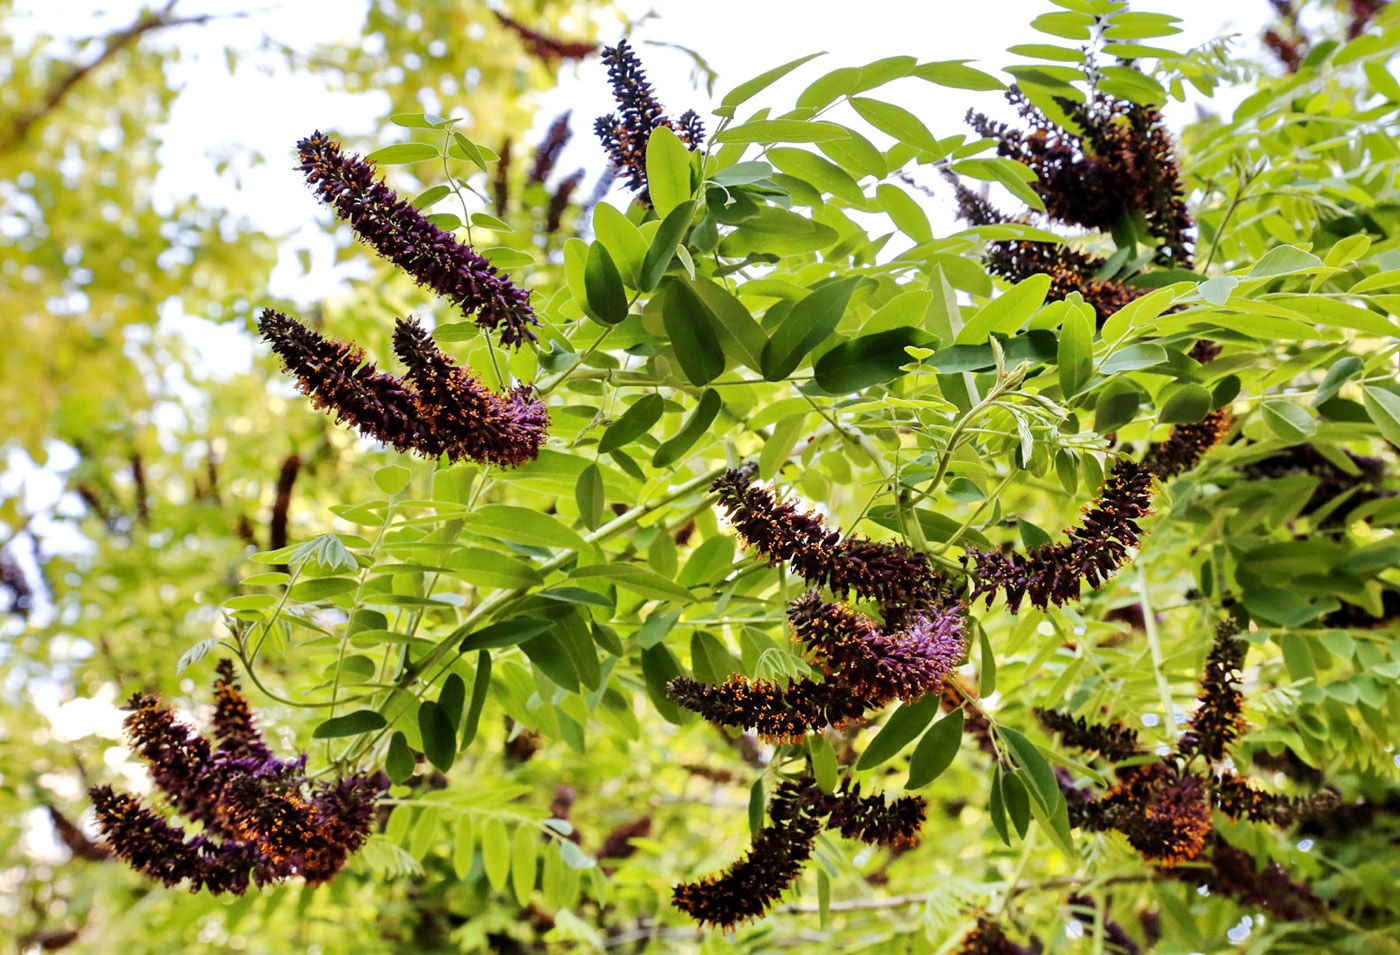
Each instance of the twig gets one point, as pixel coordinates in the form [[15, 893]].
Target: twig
[[116, 42]]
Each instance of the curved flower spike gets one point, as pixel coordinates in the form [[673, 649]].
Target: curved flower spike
[[401, 234]]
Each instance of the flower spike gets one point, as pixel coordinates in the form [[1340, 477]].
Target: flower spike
[[401, 234]]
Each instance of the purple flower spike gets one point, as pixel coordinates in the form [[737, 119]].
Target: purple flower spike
[[401, 234]]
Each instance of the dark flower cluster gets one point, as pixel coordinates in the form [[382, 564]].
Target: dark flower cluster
[[1218, 720], [547, 153], [14, 580], [547, 48], [262, 818], [1351, 616], [1361, 482], [559, 201], [500, 176], [878, 665], [1093, 552], [437, 408], [1113, 741], [1070, 270], [798, 811], [775, 713], [866, 668], [1286, 39], [889, 573], [987, 938], [1362, 12], [1163, 807], [1121, 162], [1188, 443], [401, 234], [625, 134], [618, 844], [1233, 872], [1239, 798]]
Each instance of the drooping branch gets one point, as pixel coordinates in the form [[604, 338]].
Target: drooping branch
[[114, 44]]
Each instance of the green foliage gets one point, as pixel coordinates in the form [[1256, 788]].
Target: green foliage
[[502, 641]]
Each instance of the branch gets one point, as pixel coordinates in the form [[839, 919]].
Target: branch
[[917, 898], [116, 42]]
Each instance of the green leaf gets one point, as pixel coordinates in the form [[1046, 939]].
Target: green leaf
[[668, 172], [757, 807], [904, 212], [693, 336], [439, 735], [452, 697], [463, 846], [807, 325], [392, 479], [823, 762], [660, 667], [936, 750], [487, 221], [746, 90], [782, 131], [1217, 291], [898, 122], [495, 852], [504, 633], [987, 662], [1117, 405], [195, 653], [955, 75], [522, 525], [399, 762], [743, 173], [1134, 357], [606, 298], [695, 427], [665, 242], [504, 257], [1140, 26], [352, 724], [905, 723], [635, 422], [1284, 260], [1187, 405], [403, 153], [736, 326], [523, 860], [775, 231], [868, 360], [637, 578], [1383, 407], [429, 196], [551, 656], [1007, 312], [1038, 772], [996, 806], [1047, 51], [1338, 375], [1066, 25], [1287, 420], [588, 494], [623, 240], [481, 686], [1017, 802], [1076, 351]]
